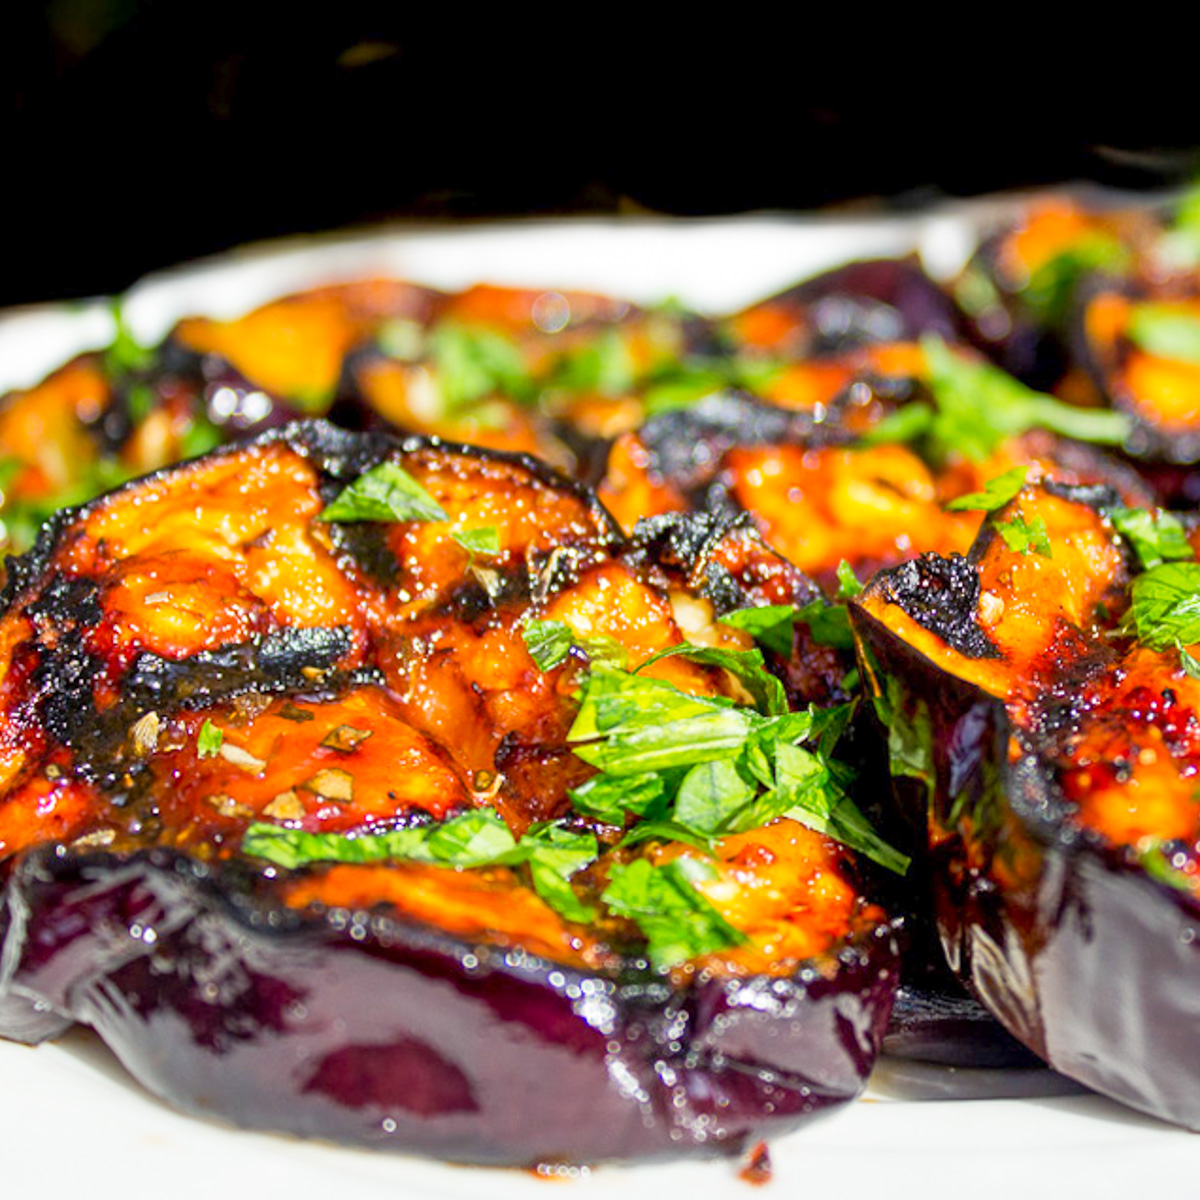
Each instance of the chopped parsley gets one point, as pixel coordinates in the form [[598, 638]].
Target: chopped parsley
[[386, 492]]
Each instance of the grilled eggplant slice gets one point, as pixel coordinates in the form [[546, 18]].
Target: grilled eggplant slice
[[1045, 756], [286, 798]]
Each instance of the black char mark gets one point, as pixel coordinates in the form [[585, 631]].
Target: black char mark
[[942, 594]]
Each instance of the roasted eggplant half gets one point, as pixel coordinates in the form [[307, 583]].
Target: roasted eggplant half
[[1040, 701], [369, 789]]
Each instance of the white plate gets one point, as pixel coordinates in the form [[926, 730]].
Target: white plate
[[70, 1118]]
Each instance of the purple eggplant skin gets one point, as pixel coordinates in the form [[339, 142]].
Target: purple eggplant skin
[[1083, 957], [357, 1027], [871, 301]]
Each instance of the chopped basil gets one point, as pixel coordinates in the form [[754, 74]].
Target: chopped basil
[[476, 839], [678, 922], [696, 768], [1051, 285], [771, 625], [473, 363], [996, 493], [200, 436], [1165, 608], [603, 364], [978, 406], [126, 355], [680, 385], [550, 642], [746, 666], [208, 743], [1025, 537], [1165, 331], [1155, 537], [848, 583], [483, 541], [386, 492]]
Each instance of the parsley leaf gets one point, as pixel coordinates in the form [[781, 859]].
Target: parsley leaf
[[1025, 537], [996, 493], [208, 743], [1166, 331], [678, 922], [386, 492], [1155, 537]]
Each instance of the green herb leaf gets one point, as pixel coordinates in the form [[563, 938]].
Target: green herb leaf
[[550, 642], [828, 623], [472, 363], [996, 493], [1155, 537], [208, 743], [604, 364], [483, 541], [386, 492], [677, 921], [1025, 537], [1165, 603], [200, 436], [126, 355], [979, 406], [1165, 331], [1051, 285], [608, 798], [746, 666], [848, 584], [710, 794], [772, 625], [475, 839]]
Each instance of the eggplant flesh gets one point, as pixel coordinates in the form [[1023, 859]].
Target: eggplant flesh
[[406, 1006], [1052, 917]]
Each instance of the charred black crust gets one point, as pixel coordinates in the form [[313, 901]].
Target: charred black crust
[[687, 444], [942, 595]]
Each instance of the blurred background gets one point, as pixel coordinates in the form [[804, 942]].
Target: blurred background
[[138, 133]]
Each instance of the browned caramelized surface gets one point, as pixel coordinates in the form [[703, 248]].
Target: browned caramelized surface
[[361, 676]]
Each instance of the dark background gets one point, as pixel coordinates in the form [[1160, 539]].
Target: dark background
[[137, 133]]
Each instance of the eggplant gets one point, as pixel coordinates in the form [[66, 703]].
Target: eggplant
[[871, 302], [1020, 287], [1042, 755], [1127, 336], [231, 650]]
